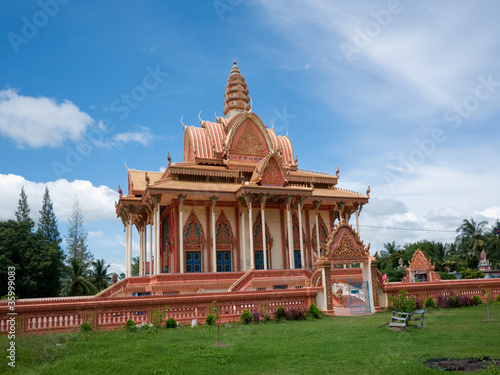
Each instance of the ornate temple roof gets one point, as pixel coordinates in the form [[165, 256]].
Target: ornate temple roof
[[237, 154]]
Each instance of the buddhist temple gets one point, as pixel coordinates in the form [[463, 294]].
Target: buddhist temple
[[237, 200]]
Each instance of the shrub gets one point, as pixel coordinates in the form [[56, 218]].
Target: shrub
[[171, 323], [266, 317], [210, 320], [442, 301], [314, 311], [280, 313], [246, 317], [147, 328], [419, 304], [465, 301], [130, 325], [402, 302], [86, 327], [453, 302], [477, 300], [256, 316], [297, 313], [430, 303], [498, 298]]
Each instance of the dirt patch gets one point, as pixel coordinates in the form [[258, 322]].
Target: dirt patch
[[464, 365]]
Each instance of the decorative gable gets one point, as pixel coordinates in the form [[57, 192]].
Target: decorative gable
[[270, 171], [419, 262], [345, 246], [193, 233], [223, 233]]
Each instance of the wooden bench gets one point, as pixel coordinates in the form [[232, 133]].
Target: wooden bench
[[400, 319]]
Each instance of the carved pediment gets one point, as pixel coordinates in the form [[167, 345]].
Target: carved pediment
[[420, 262], [223, 231], [270, 171], [193, 231], [345, 245]]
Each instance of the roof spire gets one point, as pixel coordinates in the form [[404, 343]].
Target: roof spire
[[236, 98]]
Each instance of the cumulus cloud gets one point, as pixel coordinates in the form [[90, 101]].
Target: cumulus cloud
[[96, 202], [41, 121], [142, 136]]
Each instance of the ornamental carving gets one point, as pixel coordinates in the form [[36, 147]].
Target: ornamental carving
[[193, 232], [420, 262], [323, 232], [272, 175], [249, 142], [344, 244], [374, 284], [223, 233], [257, 235], [295, 231]]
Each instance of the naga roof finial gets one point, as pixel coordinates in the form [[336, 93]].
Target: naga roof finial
[[337, 172], [199, 116], [183, 123]]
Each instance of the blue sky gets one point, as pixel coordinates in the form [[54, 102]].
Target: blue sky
[[402, 95]]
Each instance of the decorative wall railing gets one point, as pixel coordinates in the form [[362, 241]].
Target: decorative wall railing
[[67, 314], [424, 290]]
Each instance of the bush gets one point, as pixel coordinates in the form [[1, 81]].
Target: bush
[[477, 300], [297, 313], [266, 317], [171, 323], [465, 301], [430, 303], [246, 317], [453, 302], [130, 325], [147, 328], [280, 313], [314, 311], [256, 316], [498, 298], [402, 302], [419, 304], [210, 320], [86, 327]]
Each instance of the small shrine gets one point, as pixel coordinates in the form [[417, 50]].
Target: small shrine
[[486, 267], [420, 269]]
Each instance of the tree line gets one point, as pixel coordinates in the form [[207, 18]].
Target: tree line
[[42, 267], [461, 255]]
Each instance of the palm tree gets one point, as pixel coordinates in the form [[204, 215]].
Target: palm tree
[[391, 248], [76, 284], [471, 236], [493, 244], [135, 266], [99, 275], [438, 254]]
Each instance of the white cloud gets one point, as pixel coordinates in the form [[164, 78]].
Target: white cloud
[[97, 202], [39, 122], [492, 213], [142, 136]]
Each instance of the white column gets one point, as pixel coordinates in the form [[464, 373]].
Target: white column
[[250, 218], [300, 237], [141, 248], [290, 235], [145, 248], [157, 241], [181, 240], [264, 245], [357, 221], [243, 244], [151, 270], [366, 269], [128, 271], [214, 240], [317, 233]]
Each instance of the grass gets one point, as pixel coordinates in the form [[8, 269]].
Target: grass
[[343, 345]]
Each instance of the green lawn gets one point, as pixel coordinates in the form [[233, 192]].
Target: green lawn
[[340, 345]]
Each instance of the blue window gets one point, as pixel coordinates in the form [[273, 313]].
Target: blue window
[[193, 261], [223, 261], [296, 256], [259, 260]]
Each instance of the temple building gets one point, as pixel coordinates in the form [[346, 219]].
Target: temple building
[[236, 202]]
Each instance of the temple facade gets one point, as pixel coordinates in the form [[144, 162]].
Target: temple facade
[[237, 202]]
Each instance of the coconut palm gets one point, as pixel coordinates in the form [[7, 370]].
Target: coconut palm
[[391, 248], [76, 283], [471, 236], [99, 275]]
